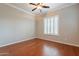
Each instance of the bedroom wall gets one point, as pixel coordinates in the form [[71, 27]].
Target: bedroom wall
[[68, 25], [15, 25]]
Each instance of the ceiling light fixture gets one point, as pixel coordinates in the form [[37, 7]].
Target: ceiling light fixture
[[39, 6]]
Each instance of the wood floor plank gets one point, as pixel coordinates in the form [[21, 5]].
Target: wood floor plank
[[39, 47]]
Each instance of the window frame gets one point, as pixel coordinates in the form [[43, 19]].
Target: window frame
[[57, 25]]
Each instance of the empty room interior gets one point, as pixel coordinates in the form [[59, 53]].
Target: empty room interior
[[39, 29]]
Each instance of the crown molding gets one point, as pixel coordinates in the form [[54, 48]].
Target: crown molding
[[62, 6], [20, 9]]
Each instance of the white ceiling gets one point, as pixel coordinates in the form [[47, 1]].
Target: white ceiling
[[26, 7]]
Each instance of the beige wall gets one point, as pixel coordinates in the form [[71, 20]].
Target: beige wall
[[68, 25], [15, 25]]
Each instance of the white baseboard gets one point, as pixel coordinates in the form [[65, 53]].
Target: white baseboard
[[17, 42], [59, 42], [40, 38]]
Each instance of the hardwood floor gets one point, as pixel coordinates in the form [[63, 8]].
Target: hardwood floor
[[38, 47]]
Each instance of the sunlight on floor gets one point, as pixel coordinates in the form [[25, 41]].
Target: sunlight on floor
[[47, 50]]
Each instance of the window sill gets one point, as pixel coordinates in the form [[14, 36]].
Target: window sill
[[50, 35]]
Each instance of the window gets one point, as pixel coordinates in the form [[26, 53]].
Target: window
[[51, 25]]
